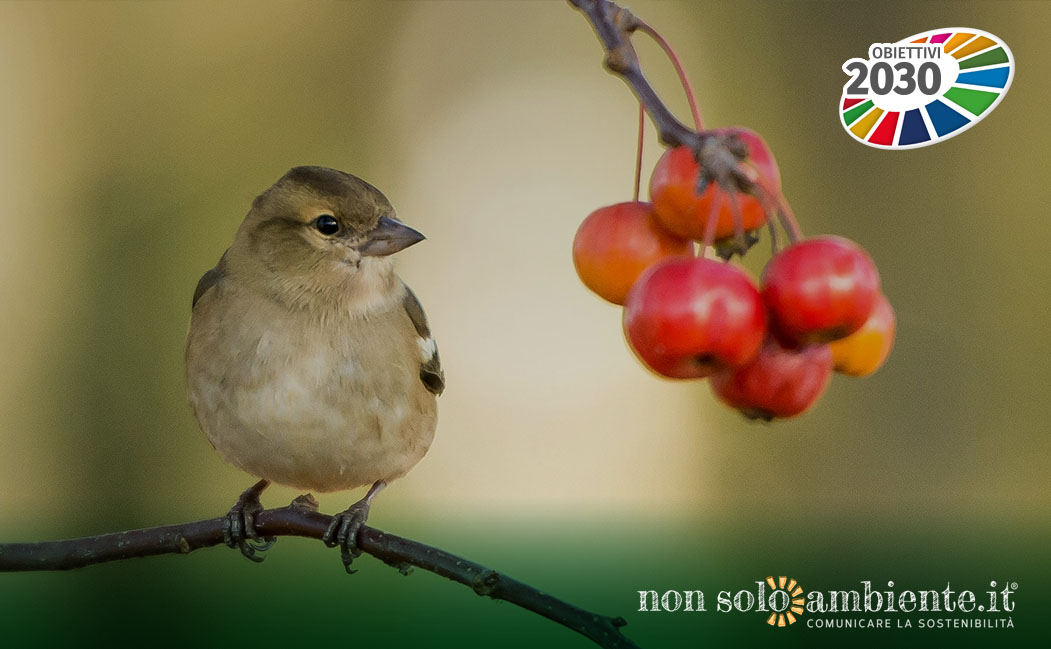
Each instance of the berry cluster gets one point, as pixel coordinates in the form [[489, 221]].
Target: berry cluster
[[768, 350]]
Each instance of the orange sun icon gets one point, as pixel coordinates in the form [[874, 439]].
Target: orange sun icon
[[792, 598]]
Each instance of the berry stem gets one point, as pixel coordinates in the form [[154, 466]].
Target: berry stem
[[638, 151], [775, 204], [772, 227], [675, 61], [770, 209], [709, 227], [788, 219], [738, 220]]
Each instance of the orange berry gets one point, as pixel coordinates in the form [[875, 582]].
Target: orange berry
[[864, 351], [617, 243], [673, 190]]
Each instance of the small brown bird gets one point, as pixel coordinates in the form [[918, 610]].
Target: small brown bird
[[308, 361]]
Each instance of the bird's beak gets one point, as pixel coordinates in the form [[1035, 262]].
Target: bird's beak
[[388, 237]]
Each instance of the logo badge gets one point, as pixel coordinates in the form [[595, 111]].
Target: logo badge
[[926, 88]]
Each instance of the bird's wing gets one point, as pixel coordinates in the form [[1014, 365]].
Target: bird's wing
[[431, 365], [208, 280]]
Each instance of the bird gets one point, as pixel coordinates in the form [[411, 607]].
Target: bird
[[309, 362]]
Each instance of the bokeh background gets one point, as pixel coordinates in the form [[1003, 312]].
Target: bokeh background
[[134, 137]]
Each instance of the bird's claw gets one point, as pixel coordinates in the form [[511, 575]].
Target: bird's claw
[[239, 527], [343, 531]]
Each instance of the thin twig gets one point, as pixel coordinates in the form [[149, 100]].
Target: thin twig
[[300, 519], [684, 80], [613, 25]]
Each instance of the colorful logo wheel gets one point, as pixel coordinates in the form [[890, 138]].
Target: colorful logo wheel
[[926, 88]]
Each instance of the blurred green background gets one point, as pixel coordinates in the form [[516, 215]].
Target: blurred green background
[[135, 136]]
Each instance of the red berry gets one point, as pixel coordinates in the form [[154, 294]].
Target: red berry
[[687, 318], [759, 157], [615, 244], [820, 290], [779, 382], [684, 211]]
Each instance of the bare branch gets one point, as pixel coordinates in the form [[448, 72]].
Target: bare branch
[[614, 25], [301, 519]]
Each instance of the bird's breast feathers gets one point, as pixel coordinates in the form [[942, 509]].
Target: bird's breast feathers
[[321, 403]]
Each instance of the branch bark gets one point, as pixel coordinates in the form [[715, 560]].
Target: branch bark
[[301, 519], [614, 25]]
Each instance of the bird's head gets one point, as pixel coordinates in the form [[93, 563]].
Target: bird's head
[[318, 230]]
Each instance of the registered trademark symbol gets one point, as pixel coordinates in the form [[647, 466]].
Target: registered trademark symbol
[[1014, 585], [981, 608]]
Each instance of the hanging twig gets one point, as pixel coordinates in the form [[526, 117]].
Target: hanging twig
[[614, 25]]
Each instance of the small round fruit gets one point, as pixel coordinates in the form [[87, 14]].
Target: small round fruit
[[759, 157], [778, 383], [690, 317], [615, 244], [684, 211], [820, 290], [863, 352]]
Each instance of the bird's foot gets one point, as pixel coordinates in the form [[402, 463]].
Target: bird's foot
[[343, 531], [344, 528], [239, 527]]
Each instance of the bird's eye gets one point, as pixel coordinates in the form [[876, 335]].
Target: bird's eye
[[326, 224]]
